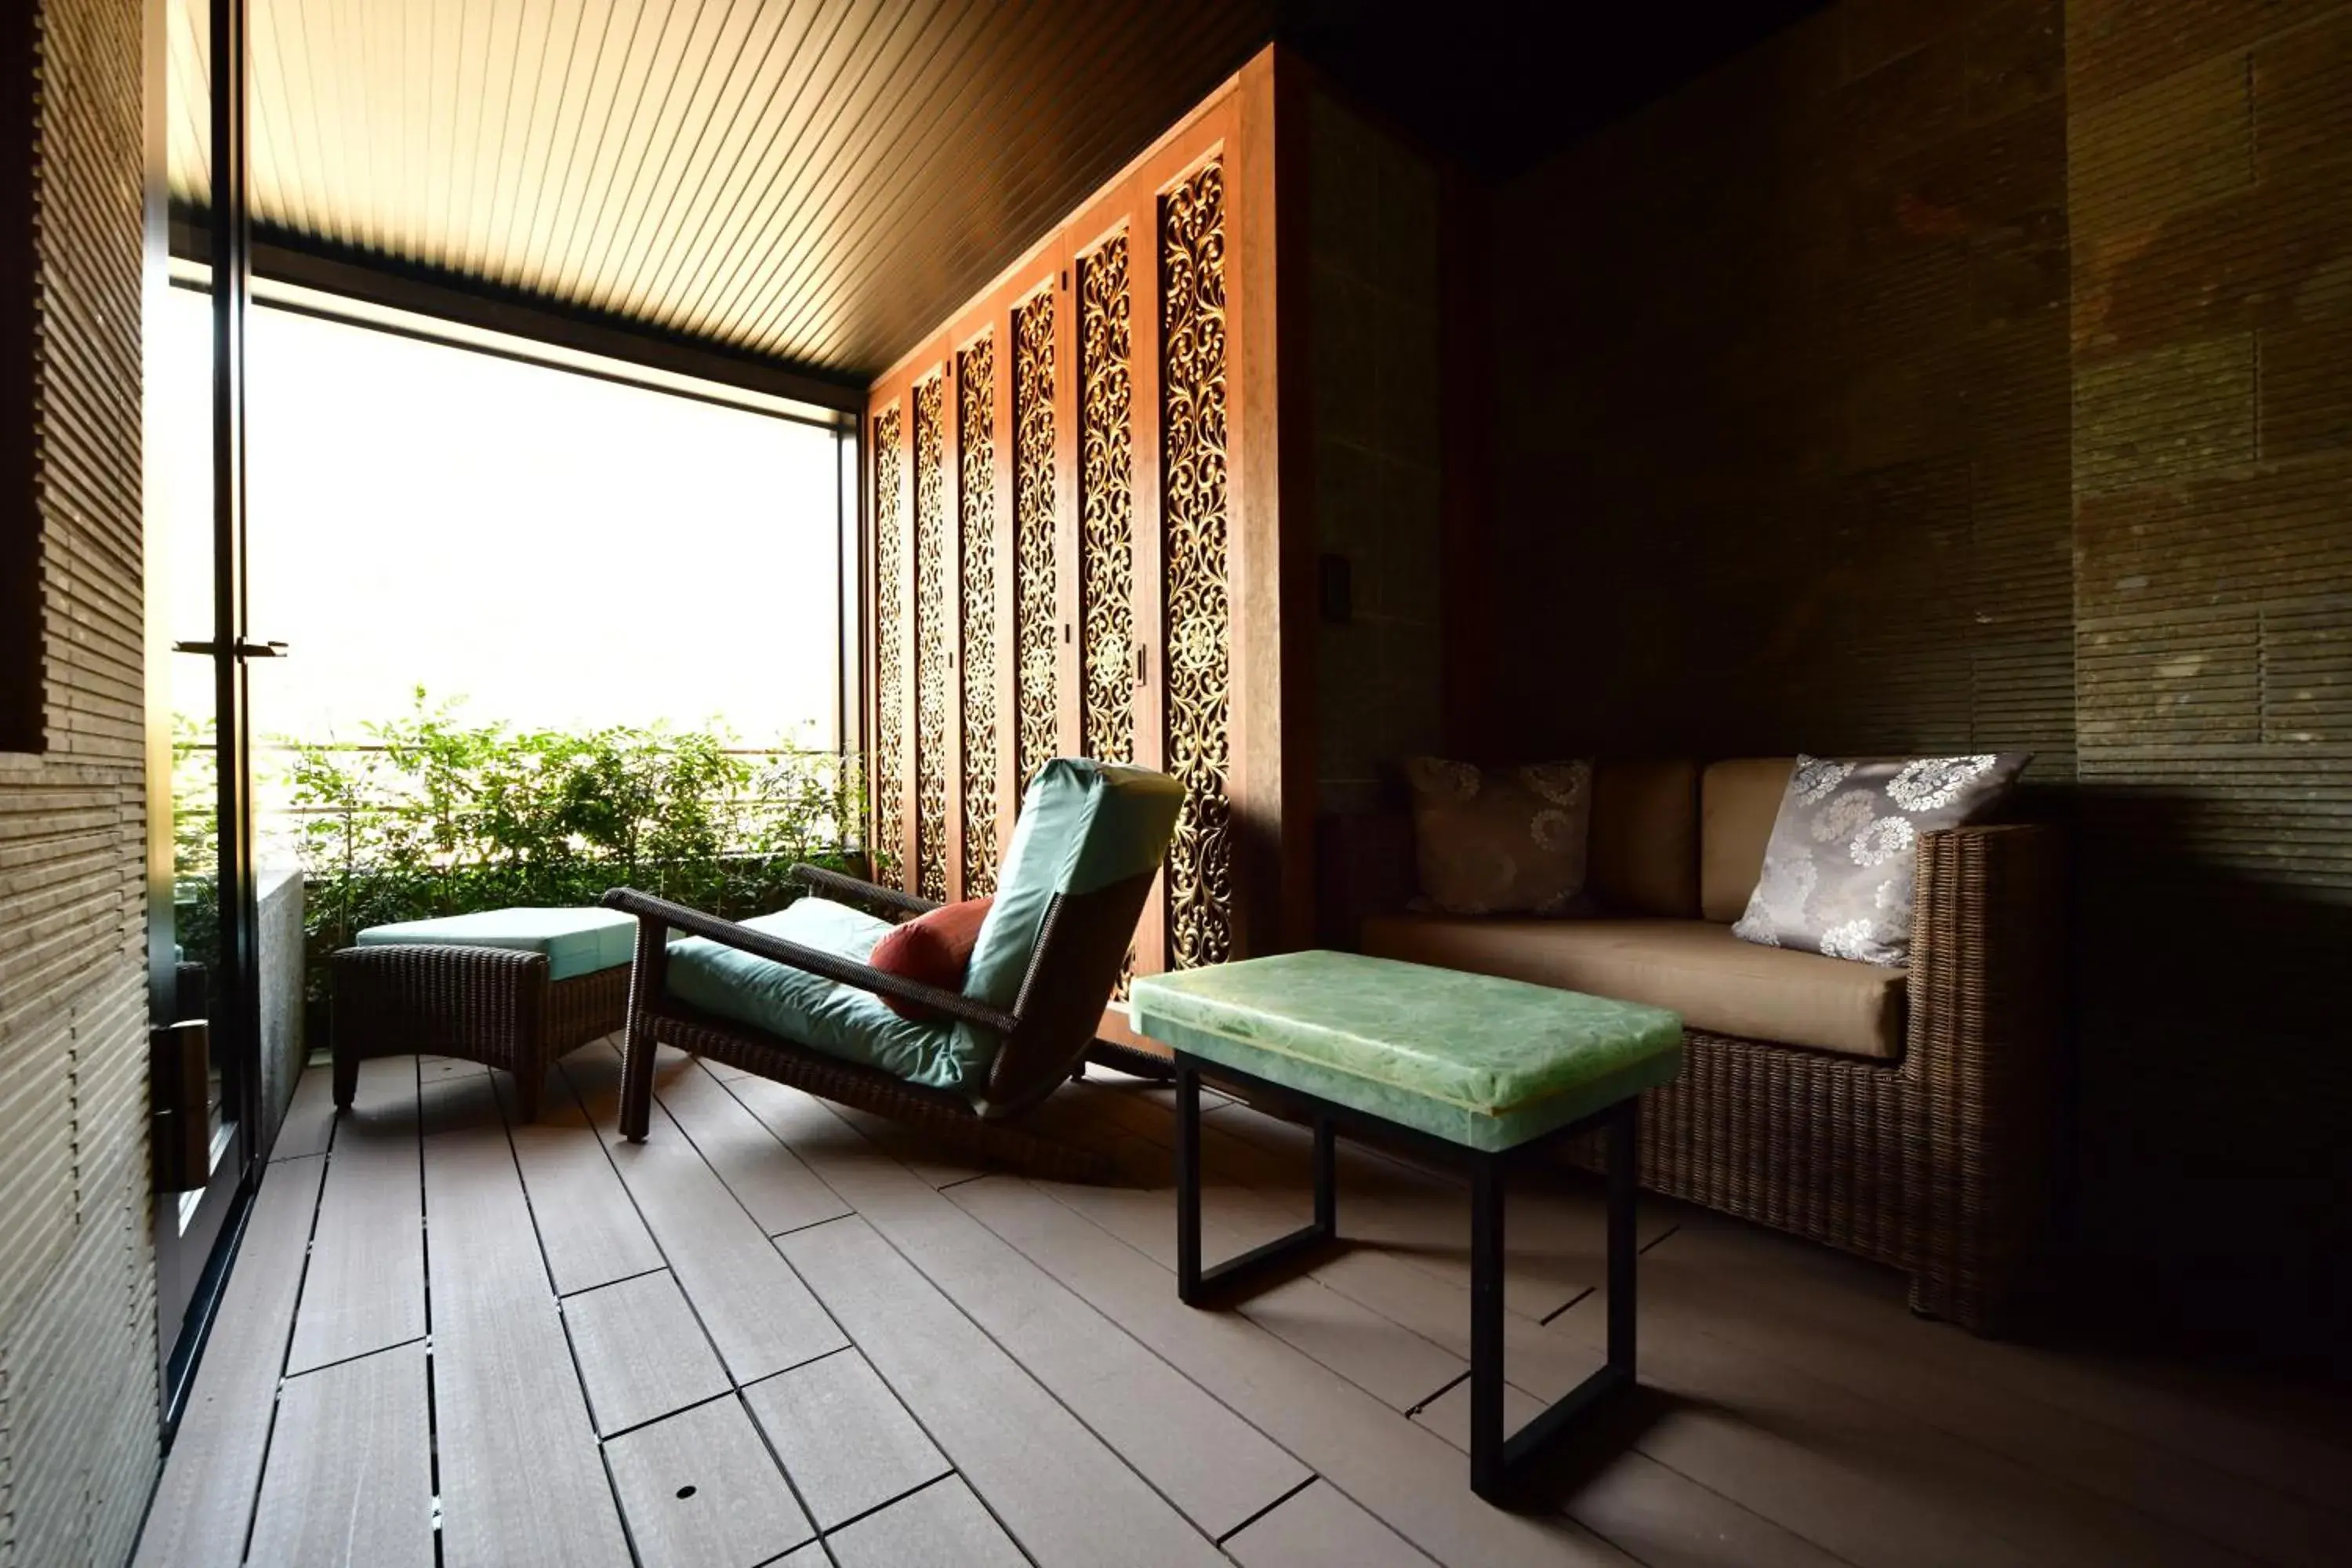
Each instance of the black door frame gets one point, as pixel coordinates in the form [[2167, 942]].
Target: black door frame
[[193, 1258]]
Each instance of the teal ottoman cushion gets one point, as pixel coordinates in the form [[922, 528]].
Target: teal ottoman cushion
[[577, 941], [839, 1020], [1480, 1061]]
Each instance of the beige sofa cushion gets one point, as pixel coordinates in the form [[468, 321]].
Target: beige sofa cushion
[[1737, 801], [1645, 853], [1717, 983]]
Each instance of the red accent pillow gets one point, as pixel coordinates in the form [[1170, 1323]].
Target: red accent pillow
[[935, 949]]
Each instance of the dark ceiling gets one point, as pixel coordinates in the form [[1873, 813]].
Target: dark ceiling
[[819, 182], [1500, 84]]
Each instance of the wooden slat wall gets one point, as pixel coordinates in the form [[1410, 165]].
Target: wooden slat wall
[[1783, 401], [1975, 375], [77, 1417], [1380, 474], [2209, 154], [1069, 561]]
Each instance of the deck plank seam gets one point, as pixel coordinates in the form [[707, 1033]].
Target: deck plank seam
[[1565, 1512], [735, 1386], [1313, 1473], [286, 1354], [1310, 1478], [982, 1330], [1370, 1511], [1587, 1293], [425, 1271]]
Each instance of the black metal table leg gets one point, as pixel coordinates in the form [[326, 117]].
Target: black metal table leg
[[1195, 1285], [1326, 1185], [1492, 1477], [1625, 1254], [1188, 1182], [1488, 1460], [1498, 1459]]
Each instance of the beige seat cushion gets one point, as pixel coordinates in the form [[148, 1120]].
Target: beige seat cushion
[[1737, 802], [1645, 851], [1717, 983]]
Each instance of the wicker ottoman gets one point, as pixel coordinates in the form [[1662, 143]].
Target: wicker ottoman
[[507, 988]]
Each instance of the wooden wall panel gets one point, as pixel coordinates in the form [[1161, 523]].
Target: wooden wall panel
[[1197, 610], [1035, 626], [892, 600], [1106, 643], [934, 668], [980, 635], [1100, 460], [78, 1380]]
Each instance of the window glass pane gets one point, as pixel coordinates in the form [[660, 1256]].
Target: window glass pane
[[559, 550]]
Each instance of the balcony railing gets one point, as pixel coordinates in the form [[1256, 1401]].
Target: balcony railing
[[429, 817]]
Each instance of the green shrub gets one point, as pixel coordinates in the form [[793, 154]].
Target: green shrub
[[435, 817]]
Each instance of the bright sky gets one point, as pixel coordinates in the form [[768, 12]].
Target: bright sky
[[559, 550]]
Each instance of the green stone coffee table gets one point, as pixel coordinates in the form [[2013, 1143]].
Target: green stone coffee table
[[1477, 1071]]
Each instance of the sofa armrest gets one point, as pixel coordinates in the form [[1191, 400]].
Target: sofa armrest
[[1987, 1033]]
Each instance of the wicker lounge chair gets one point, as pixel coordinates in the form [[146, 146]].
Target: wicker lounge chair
[[794, 1001]]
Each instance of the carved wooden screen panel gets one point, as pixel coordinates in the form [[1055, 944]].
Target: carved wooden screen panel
[[1035, 628], [1105, 505], [1196, 661], [890, 621], [934, 669], [1106, 645], [1091, 513], [976, 504]]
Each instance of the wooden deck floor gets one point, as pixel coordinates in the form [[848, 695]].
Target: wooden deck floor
[[780, 1333]]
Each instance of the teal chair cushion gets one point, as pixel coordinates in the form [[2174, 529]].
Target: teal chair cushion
[[839, 1020], [577, 941], [1084, 824]]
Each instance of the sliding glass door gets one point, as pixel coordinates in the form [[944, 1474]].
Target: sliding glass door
[[205, 1075]]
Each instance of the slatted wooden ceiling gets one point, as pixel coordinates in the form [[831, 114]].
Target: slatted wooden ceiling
[[818, 181]]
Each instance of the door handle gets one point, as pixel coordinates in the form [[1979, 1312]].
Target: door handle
[[243, 649], [179, 1125]]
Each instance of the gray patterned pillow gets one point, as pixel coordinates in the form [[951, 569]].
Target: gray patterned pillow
[[1494, 841], [1841, 867]]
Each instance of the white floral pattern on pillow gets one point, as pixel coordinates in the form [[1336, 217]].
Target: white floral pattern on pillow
[[1844, 818], [1852, 898], [1815, 779], [1929, 783]]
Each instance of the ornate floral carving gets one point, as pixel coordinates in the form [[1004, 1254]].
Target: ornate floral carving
[[1197, 665], [934, 673], [1106, 515], [976, 455], [889, 652], [1034, 613], [1106, 506]]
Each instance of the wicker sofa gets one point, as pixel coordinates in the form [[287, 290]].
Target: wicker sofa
[[1907, 1115]]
